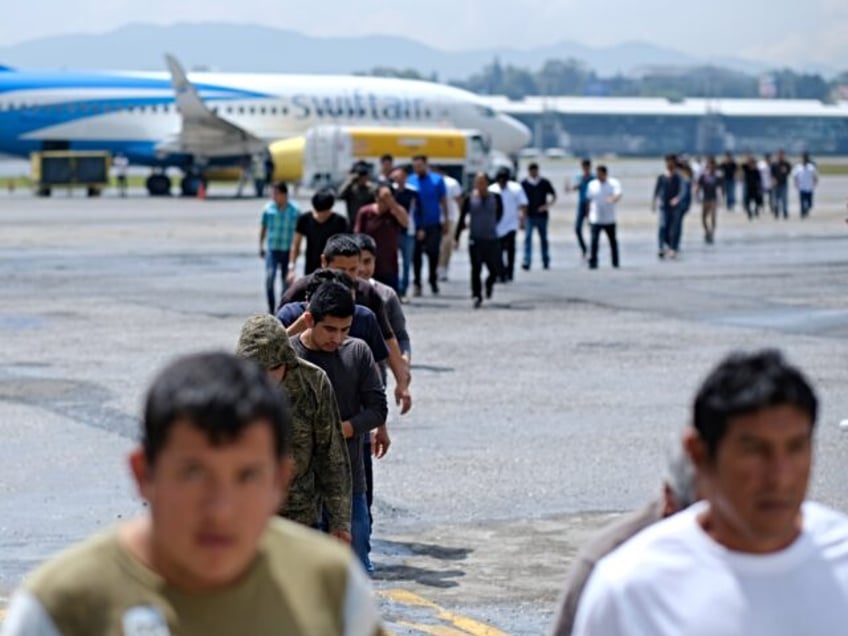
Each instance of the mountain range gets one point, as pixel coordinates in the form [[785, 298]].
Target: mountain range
[[247, 48]]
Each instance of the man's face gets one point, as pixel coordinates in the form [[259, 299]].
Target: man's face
[[209, 505], [384, 199], [329, 334], [534, 173], [587, 169], [385, 166], [347, 264], [481, 184], [758, 479], [367, 265], [399, 177], [670, 165], [281, 198], [602, 176], [781, 155], [419, 166]]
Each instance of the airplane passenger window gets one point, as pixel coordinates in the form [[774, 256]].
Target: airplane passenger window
[[229, 110], [153, 108], [273, 110], [285, 110], [252, 110], [241, 110], [262, 110]]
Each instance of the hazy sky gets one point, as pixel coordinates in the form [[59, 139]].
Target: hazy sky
[[776, 31]]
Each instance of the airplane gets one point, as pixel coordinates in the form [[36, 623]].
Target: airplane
[[198, 120]]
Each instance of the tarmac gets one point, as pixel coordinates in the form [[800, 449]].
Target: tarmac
[[537, 418]]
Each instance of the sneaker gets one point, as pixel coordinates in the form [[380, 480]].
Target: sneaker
[[546, 266], [491, 286], [525, 267], [434, 287], [416, 291], [478, 302]]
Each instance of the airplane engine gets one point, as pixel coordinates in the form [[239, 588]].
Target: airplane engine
[[287, 155]]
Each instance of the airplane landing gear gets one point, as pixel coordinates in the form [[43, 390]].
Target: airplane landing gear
[[158, 185]]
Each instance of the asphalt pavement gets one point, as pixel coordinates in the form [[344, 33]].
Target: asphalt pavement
[[537, 418]]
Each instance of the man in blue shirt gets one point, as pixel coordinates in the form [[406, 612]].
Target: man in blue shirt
[[279, 219], [581, 184], [431, 221]]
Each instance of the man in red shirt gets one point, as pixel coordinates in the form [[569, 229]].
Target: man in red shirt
[[383, 221]]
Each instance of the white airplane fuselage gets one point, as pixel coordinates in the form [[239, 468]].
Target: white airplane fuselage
[[135, 113]]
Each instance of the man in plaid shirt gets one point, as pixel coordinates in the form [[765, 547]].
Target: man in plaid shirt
[[279, 219]]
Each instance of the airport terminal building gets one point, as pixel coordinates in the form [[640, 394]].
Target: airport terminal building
[[654, 126]]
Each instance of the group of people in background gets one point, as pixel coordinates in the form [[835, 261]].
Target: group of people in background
[[765, 182]]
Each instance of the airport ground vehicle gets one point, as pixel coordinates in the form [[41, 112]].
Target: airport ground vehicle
[[69, 169], [325, 155]]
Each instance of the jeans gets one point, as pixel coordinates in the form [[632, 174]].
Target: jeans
[[275, 259], [484, 253], [507, 256], [670, 228], [730, 193], [781, 200], [540, 224], [406, 244], [430, 245], [609, 230], [806, 202], [579, 220], [360, 530]]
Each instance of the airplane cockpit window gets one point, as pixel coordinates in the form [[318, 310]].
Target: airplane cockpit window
[[485, 111]]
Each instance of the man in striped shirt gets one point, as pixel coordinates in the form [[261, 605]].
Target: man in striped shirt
[[279, 219]]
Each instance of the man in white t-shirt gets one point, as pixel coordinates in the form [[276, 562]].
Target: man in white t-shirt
[[454, 200], [806, 179], [514, 212], [754, 558], [603, 193]]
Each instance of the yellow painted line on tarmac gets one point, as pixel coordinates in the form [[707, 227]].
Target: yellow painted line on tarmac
[[464, 624], [434, 630]]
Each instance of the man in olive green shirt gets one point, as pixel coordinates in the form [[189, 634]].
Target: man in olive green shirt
[[208, 558], [321, 464]]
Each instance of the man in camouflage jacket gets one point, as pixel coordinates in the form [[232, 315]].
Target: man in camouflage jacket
[[322, 468]]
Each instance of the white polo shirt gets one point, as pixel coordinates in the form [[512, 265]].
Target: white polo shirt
[[805, 176], [513, 197], [601, 211]]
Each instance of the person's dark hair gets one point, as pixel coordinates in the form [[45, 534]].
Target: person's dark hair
[[503, 173], [323, 200], [331, 299], [387, 157], [671, 157], [321, 276], [366, 243], [586, 163], [340, 245], [281, 187], [219, 394], [744, 383], [420, 158], [603, 168], [533, 166]]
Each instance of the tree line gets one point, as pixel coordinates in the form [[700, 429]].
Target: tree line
[[573, 77]]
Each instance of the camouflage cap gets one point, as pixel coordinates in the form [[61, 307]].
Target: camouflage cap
[[264, 339]]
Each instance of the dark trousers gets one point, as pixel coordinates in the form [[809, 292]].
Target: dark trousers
[[609, 230], [670, 228], [806, 202], [431, 245], [507, 256], [484, 253], [579, 221]]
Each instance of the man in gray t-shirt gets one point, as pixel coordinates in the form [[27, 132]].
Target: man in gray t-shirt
[[359, 390], [482, 210]]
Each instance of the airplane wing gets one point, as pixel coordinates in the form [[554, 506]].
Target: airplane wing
[[203, 133]]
